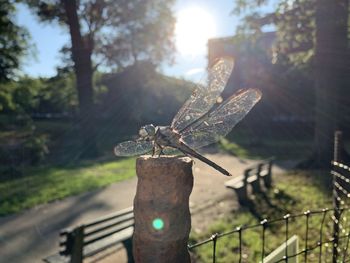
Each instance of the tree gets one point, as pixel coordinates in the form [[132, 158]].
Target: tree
[[13, 46], [306, 36], [331, 66], [13, 41], [109, 33]]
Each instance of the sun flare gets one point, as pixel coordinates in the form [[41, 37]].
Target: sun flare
[[194, 26]]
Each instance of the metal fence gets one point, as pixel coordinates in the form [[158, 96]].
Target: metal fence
[[321, 246], [329, 242]]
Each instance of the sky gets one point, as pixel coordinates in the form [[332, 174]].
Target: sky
[[47, 39]]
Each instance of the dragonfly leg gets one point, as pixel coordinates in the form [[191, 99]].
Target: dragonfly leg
[[161, 151]]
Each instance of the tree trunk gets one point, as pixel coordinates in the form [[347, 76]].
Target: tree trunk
[[330, 65], [81, 55]]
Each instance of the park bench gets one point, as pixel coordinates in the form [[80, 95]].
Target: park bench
[[89, 239], [254, 176]]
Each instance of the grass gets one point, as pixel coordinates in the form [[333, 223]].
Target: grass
[[294, 193], [45, 184], [281, 148]]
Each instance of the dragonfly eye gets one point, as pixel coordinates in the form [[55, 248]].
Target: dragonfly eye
[[142, 132], [150, 129], [147, 131]]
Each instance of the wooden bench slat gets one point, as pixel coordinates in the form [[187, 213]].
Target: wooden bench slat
[[237, 185], [264, 173], [115, 240], [102, 236], [234, 181], [252, 178], [110, 217], [107, 226]]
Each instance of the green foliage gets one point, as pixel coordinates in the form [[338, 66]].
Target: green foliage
[[28, 96], [21, 147], [119, 33], [58, 94], [36, 149], [13, 41], [287, 89], [149, 97], [58, 138], [25, 94], [145, 31], [38, 95], [6, 100], [294, 22]]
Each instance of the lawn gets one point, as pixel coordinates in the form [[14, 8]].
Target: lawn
[[263, 143], [294, 193], [280, 148], [48, 183]]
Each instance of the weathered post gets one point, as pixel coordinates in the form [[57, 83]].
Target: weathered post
[[161, 209]]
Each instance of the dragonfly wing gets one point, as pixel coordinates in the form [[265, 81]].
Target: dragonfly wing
[[221, 120], [131, 148], [204, 96]]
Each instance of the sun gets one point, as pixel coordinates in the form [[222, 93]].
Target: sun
[[194, 26]]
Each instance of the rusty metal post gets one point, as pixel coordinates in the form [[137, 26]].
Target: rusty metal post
[[338, 148], [161, 209]]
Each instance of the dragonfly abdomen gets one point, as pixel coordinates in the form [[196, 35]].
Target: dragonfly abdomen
[[189, 151]]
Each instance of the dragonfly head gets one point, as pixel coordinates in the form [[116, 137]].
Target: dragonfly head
[[147, 131]]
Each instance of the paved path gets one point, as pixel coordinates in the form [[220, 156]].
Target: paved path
[[29, 236]]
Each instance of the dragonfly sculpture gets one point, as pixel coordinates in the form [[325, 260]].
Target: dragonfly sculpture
[[202, 120]]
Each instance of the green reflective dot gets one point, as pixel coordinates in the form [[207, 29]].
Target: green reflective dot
[[158, 224]]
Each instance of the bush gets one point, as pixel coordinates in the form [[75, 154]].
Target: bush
[[30, 150], [35, 149], [9, 172]]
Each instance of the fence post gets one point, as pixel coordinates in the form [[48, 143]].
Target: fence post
[[338, 148], [77, 249], [161, 209]]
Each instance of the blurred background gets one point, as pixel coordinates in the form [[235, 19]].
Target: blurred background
[[79, 76]]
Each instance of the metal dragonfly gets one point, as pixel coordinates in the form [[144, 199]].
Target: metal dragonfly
[[202, 120]]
